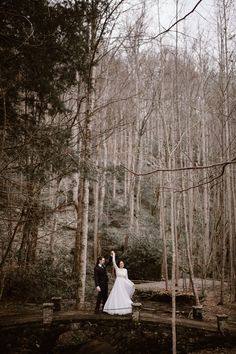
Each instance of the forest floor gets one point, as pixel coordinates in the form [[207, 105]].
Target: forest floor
[[184, 298]]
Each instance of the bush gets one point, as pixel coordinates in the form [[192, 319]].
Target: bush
[[40, 282], [143, 258]]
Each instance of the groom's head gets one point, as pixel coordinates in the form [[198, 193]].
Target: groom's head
[[100, 260]]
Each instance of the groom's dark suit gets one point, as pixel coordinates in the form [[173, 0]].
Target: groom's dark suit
[[101, 280]]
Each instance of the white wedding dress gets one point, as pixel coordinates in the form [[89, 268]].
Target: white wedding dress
[[119, 301]]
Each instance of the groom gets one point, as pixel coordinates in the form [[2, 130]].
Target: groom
[[101, 281]]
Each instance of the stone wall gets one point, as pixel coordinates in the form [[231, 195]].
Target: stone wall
[[108, 335]]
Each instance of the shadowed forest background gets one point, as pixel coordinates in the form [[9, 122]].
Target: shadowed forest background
[[90, 102]]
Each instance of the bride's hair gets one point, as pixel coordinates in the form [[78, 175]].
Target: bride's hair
[[118, 263]]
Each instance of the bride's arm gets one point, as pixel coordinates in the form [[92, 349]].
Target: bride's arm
[[114, 260], [126, 274]]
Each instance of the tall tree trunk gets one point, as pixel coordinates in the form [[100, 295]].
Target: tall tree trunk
[[228, 142], [81, 239], [173, 272], [225, 81], [204, 161]]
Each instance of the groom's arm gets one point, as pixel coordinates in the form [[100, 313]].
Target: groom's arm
[[96, 277]]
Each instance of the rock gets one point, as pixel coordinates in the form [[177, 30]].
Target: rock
[[96, 347], [71, 339]]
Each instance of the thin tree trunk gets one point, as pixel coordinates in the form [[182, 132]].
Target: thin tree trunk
[[114, 181], [163, 236], [96, 217], [173, 273], [53, 191], [102, 190], [188, 252]]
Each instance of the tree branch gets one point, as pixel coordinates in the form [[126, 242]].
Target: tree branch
[[181, 168], [181, 19]]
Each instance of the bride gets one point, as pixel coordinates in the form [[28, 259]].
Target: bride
[[119, 301]]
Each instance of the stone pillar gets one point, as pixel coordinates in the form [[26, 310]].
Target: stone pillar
[[197, 312], [47, 312], [136, 307], [56, 300], [221, 320]]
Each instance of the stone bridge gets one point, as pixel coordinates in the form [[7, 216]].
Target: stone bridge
[[84, 332]]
